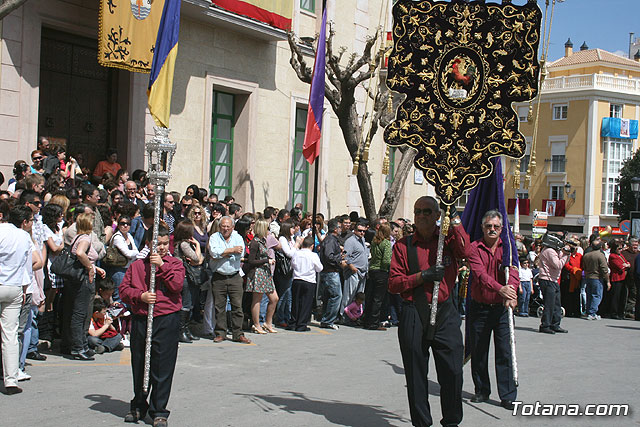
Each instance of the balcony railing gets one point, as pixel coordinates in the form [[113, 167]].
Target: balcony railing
[[592, 81], [556, 165]]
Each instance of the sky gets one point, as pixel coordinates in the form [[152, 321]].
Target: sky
[[603, 24]]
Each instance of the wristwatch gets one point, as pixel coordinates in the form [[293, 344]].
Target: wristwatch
[[456, 221]]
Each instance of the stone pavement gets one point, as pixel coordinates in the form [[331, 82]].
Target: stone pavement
[[349, 377]]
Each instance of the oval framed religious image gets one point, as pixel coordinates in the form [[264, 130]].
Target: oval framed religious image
[[461, 78]]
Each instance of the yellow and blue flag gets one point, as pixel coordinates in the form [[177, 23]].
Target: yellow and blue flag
[[164, 60]]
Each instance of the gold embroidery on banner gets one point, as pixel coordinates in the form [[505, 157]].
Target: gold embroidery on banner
[[461, 66]]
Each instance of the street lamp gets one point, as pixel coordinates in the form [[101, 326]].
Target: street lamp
[[567, 189], [635, 187], [160, 151]]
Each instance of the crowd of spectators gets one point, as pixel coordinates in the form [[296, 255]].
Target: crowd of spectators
[[245, 271]]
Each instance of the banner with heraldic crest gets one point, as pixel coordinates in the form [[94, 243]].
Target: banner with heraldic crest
[[461, 65]]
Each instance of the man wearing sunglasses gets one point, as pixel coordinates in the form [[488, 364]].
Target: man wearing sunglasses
[[488, 312], [412, 274]]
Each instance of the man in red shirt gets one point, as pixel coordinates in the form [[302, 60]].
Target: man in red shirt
[[490, 298], [412, 273], [134, 290]]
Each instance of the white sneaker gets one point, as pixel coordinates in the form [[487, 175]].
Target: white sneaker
[[597, 317], [125, 342], [591, 317], [23, 376]]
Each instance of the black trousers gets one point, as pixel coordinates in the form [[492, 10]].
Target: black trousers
[[302, 293], [164, 352], [375, 294], [552, 304], [484, 320], [448, 353], [617, 300], [77, 299]]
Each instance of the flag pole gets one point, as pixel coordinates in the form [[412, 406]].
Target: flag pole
[[316, 159]]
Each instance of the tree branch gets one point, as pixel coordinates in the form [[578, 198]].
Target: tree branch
[[8, 6], [297, 61]]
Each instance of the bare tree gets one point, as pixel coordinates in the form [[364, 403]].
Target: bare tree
[[8, 6], [340, 92]]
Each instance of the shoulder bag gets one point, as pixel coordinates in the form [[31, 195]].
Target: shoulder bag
[[114, 258], [67, 265]]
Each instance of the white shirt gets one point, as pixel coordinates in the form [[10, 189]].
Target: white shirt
[[15, 256], [526, 275], [306, 264], [119, 242]]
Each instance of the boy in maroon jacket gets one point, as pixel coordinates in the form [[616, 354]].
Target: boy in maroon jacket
[[134, 290]]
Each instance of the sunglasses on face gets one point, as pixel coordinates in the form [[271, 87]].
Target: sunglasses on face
[[186, 205], [426, 211], [35, 159], [197, 213], [492, 226], [124, 223], [36, 203]]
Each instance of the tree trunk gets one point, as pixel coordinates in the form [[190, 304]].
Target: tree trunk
[[8, 6], [392, 196]]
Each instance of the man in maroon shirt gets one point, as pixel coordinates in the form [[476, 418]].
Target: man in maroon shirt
[[490, 299], [134, 290], [412, 273]]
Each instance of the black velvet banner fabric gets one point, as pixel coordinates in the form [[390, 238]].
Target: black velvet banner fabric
[[461, 66]]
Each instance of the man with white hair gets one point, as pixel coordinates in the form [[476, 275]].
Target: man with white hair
[[226, 248]]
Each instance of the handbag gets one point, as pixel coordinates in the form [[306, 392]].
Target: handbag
[[114, 257], [283, 265], [67, 265]]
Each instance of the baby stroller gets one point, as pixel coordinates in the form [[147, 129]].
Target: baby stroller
[[536, 303]]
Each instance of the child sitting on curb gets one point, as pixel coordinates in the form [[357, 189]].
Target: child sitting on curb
[[103, 336]]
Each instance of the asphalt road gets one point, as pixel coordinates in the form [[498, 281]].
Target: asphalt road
[[349, 377]]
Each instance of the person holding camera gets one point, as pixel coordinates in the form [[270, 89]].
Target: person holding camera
[[554, 256]]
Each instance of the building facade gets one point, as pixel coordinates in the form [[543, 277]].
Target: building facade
[[238, 110], [589, 107]]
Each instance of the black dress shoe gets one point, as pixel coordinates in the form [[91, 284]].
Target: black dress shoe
[[13, 390], [559, 330], [479, 398], [134, 415], [160, 422], [83, 355], [546, 330], [34, 355], [507, 404]]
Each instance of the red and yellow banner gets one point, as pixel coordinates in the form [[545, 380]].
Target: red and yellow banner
[[276, 13], [127, 32]]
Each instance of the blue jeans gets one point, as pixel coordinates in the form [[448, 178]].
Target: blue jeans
[[283, 309], [331, 295], [523, 299], [116, 274], [263, 307], [594, 296]]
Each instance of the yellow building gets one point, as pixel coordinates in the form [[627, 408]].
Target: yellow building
[[578, 161], [237, 113]]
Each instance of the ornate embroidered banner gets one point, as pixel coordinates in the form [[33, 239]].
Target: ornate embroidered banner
[[461, 66], [127, 32]]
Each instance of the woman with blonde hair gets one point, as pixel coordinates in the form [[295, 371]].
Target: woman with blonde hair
[[79, 294], [259, 280]]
